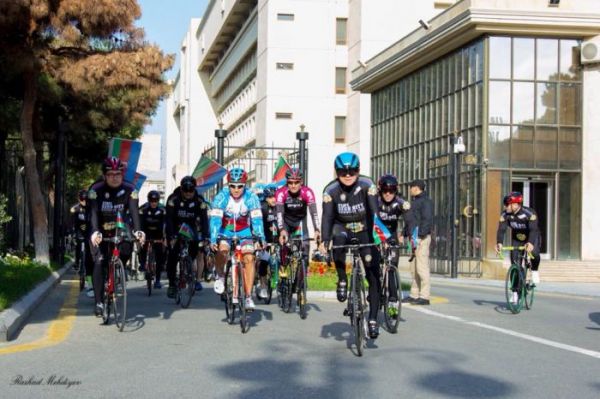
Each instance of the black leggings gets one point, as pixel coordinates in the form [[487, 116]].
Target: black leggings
[[101, 255], [174, 258], [159, 256], [370, 257]]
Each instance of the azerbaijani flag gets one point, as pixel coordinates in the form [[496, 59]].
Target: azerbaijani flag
[[380, 232], [138, 180], [280, 169], [128, 151], [120, 223], [207, 173], [186, 231]]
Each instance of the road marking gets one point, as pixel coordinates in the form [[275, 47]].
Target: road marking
[[505, 331], [59, 329], [551, 294]]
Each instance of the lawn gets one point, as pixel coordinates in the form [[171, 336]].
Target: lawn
[[19, 276], [328, 281]]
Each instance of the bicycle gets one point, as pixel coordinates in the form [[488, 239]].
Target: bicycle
[[115, 287], [291, 273], [389, 272], [80, 264], [185, 278], [150, 273], [134, 263], [518, 279], [272, 271], [357, 301], [209, 271]]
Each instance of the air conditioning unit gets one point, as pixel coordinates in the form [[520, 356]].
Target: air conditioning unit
[[590, 51]]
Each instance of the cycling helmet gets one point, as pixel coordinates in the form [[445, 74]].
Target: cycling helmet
[[506, 200], [82, 195], [269, 191], [387, 182], [237, 175], [153, 195], [514, 198], [188, 184], [294, 174], [346, 160], [112, 163]]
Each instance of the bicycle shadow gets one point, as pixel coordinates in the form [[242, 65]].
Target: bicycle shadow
[[595, 318], [499, 307]]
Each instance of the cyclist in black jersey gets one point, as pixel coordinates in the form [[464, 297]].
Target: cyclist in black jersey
[[152, 218], [80, 227], [269, 213], [349, 208]]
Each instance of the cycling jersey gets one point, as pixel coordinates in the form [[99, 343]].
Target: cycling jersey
[[153, 221], [523, 224], [390, 213], [241, 217], [193, 212], [106, 203], [292, 208], [269, 221], [80, 222]]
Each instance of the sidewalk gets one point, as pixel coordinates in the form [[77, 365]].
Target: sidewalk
[[579, 289]]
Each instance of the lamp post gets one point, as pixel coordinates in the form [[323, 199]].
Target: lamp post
[[220, 134], [458, 148], [302, 137]]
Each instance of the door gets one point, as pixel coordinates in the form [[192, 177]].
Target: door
[[538, 194]]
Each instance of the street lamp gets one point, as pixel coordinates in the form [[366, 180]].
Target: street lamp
[[458, 147]]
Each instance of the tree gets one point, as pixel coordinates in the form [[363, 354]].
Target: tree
[[92, 64]]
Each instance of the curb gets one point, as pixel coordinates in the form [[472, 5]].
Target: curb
[[13, 318]]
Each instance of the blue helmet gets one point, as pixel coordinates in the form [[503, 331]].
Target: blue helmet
[[269, 191], [346, 160], [237, 175]]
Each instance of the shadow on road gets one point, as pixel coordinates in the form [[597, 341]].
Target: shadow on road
[[594, 317], [462, 384], [499, 307]]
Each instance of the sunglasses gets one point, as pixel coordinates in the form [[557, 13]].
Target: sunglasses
[[153, 200], [237, 186], [347, 172], [389, 191], [113, 174], [294, 182]]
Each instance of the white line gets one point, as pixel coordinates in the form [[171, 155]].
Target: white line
[[527, 337]]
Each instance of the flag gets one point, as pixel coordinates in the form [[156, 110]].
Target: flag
[[186, 231], [380, 232], [138, 180], [207, 173], [280, 169], [120, 223], [128, 151]]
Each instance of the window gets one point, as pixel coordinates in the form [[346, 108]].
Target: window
[[341, 34], [340, 129], [283, 115], [285, 17], [340, 80], [285, 65]]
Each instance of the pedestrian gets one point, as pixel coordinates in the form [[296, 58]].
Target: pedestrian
[[422, 208]]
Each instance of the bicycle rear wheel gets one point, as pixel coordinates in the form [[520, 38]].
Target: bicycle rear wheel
[[529, 291], [229, 306], [391, 313], [106, 303], [514, 278], [186, 281], [120, 295]]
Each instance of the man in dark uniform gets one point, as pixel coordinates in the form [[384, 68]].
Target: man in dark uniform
[[152, 218], [80, 225]]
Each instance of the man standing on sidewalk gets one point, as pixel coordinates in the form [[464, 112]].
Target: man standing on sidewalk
[[422, 207]]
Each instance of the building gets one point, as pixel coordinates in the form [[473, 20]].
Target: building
[[267, 67], [507, 77], [151, 166]]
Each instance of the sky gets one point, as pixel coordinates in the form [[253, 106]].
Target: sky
[[165, 23]]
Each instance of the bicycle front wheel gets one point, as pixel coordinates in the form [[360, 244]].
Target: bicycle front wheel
[[358, 305], [120, 295], [150, 270], [186, 281], [229, 306], [514, 283], [392, 311], [302, 292], [242, 300]]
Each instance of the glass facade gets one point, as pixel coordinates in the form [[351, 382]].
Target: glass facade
[[517, 104]]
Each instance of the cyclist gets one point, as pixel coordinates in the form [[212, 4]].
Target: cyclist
[[107, 200], [184, 205], [525, 231], [236, 211], [269, 215], [80, 225], [152, 218], [391, 208], [349, 208]]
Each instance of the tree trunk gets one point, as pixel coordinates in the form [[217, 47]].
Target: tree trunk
[[34, 189]]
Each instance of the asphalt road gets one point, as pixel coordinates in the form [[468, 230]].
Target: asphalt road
[[466, 344]]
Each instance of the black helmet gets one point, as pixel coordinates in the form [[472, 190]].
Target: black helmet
[[188, 184], [388, 182], [82, 195], [153, 196], [269, 191]]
